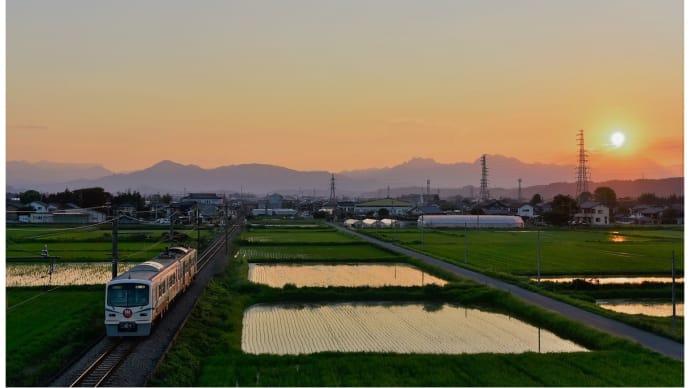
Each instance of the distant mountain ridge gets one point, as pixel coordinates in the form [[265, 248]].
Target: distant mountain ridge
[[409, 177], [21, 172]]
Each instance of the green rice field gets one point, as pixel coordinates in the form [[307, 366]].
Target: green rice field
[[563, 252], [78, 245]]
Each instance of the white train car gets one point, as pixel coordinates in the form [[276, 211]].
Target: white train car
[[140, 296]]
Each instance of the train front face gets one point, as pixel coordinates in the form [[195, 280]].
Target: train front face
[[128, 308]]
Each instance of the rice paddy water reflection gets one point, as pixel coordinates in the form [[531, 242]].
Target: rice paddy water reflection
[[64, 274], [390, 328], [649, 307], [611, 279], [340, 275]]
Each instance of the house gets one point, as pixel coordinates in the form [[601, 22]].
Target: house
[[526, 210], [41, 218], [273, 201], [426, 210], [496, 207], [592, 213], [204, 198], [647, 214], [394, 206], [128, 209], [39, 207], [274, 212], [70, 217], [12, 211]]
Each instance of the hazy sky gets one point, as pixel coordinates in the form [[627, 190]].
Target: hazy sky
[[342, 85]]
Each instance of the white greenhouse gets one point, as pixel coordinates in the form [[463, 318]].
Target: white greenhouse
[[470, 221], [352, 223]]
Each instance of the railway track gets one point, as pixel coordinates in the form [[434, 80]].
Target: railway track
[[106, 363]]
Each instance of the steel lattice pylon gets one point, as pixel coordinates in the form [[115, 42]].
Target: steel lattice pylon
[[331, 198], [484, 184], [583, 173]]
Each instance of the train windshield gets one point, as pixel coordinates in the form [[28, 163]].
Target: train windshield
[[128, 295]]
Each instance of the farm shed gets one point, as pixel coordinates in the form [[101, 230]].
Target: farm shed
[[470, 221]]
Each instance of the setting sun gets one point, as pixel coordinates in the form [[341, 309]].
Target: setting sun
[[617, 139]]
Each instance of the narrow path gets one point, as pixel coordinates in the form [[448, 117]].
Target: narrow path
[[654, 342]]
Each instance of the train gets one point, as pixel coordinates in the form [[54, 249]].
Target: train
[[136, 299]]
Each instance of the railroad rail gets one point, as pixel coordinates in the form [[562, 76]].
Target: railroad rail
[[106, 363], [212, 249]]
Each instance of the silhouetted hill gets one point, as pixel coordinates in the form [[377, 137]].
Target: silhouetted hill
[[407, 178], [27, 174]]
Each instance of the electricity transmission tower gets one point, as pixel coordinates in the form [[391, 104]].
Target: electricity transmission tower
[[583, 172], [331, 199], [484, 184]]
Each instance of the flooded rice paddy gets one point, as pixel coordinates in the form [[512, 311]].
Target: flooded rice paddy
[[650, 307], [611, 279], [64, 274], [340, 275], [390, 328]]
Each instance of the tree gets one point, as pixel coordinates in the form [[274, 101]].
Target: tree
[[669, 216], [383, 212], [648, 199], [29, 196], [605, 195], [166, 199], [91, 197], [584, 197], [536, 198], [561, 209]]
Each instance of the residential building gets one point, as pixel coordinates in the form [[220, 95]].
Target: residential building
[[526, 210], [394, 206], [592, 213], [204, 198]]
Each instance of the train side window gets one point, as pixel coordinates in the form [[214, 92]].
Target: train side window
[[161, 289]]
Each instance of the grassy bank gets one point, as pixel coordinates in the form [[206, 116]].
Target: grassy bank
[[47, 327]]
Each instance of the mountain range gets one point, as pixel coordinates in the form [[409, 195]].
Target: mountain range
[[409, 177]]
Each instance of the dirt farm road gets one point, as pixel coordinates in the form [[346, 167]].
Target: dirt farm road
[[654, 342]]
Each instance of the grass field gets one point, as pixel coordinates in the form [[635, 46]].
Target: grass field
[[563, 252], [47, 327]]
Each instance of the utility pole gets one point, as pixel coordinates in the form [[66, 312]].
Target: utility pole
[[170, 234], [227, 221], [465, 242], [198, 228], [538, 256], [422, 232], [673, 286], [115, 221]]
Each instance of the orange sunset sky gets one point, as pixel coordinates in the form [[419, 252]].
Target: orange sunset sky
[[343, 85]]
